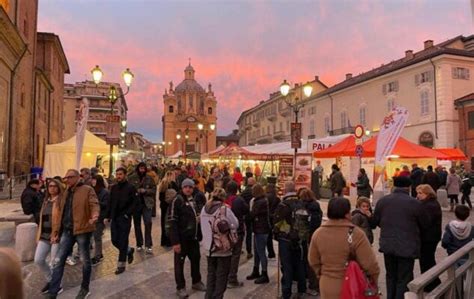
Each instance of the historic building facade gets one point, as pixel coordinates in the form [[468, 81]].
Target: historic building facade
[[426, 82], [465, 108], [189, 119], [99, 106]]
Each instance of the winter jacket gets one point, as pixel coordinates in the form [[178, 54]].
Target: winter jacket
[[456, 235], [85, 206], [432, 212], [363, 186], [466, 187], [247, 194], [46, 220], [259, 213], [329, 251], [416, 177], [199, 199], [337, 182], [240, 209], [162, 195], [31, 202], [208, 215], [400, 218], [148, 197], [453, 184], [315, 214], [123, 200], [365, 222], [273, 202], [104, 198], [182, 220], [431, 179], [238, 178]]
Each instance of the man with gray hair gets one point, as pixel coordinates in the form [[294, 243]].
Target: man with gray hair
[[86, 176]]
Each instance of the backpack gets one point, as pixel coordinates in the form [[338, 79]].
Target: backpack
[[300, 227], [224, 235]]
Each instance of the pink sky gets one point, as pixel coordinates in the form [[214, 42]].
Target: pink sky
[[245, 49]]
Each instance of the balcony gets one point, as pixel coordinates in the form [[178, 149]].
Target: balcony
[[267, 138], [279, 135], [346, 130], [248, 126], [285, 111], [256, 123], [272, 116]]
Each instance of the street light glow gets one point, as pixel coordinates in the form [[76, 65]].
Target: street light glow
[[124, 123], [212, 127], [127, 76], [200, 126], [122, 134], [284, 88], [97, 74], [308, 89], [178, 136], [169, 142]]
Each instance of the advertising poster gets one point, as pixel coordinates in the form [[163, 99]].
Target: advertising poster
[[303, 171], [285, 173]]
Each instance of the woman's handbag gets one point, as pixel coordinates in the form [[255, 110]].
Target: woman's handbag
[[356, 284]]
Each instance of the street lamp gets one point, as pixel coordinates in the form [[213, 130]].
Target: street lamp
[[113, 96], [296, 105], [205, 132]]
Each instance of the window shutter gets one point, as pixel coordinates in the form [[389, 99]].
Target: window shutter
[[417, 79], [430, 76], [384, 89], [395, 85], [454, 73], [467, 74]]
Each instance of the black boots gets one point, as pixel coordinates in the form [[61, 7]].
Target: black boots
[[263, 278], [255, 274]]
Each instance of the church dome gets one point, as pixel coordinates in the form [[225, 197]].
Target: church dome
[[189, 83]]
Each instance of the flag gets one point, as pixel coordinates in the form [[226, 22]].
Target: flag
[[390, 131], [81, 125]]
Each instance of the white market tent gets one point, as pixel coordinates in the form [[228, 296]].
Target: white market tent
[[60, 157], [176, 155]]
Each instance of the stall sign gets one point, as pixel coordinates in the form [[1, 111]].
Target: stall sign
[[303, 171]]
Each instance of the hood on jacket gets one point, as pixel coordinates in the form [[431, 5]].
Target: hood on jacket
[[460, 229], [212, 206]]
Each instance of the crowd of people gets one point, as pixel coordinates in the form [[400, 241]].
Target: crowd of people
[[216, 211]]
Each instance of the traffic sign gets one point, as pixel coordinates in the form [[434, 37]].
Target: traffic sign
[[359, 151], [359, 131]]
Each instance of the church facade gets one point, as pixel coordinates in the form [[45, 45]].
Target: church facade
[[189, 118]]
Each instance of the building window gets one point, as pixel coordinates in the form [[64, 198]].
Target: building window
[[312, 110], [274, 127], [209, 110], [268, 130], [424, 102], [390, 104], [390, 87], [302, 113], [311, 127], [170, 109], [287, 125], [362, 113], [460, 73], [470, 117], [327, 126], [343, 119], [281, 127], [424, 77]]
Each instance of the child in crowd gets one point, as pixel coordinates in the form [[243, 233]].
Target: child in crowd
[[362, 217], [458, 232]]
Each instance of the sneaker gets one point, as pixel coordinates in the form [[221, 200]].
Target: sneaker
[[182, 293], [83, 294], [312, 292], [130, 255], [139, 248], [60, 290], [45, 289], [149, 250], [199, 287], [97, 260], [119, 270], [71, 261], [234, 284]]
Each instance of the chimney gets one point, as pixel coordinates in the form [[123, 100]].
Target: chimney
[[348, 76], [409, 54], [316, 78], [428, 44]]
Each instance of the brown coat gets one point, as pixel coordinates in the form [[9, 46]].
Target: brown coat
[[85, 206], [54, 216], [329, 251]]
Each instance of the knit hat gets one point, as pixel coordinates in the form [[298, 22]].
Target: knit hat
[[187, 182], [401, 181]]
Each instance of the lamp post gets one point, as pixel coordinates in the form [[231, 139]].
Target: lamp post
[[127, 76], [296, 105], [206, 132]]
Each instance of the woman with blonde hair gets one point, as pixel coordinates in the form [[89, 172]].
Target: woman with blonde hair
[[49, 213], [11, 281], [431, 235], [167, 183]]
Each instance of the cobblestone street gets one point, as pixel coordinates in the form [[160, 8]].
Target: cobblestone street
[[151, 276]]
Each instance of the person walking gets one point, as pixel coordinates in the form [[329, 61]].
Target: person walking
[[123, 201], [416, 176], [247, 196], [74, 221], [98, 183], [453, 186], [331, 246], [146, 189], [363, 218], [291, 228], [273, 201], [167, 191], [259, 214], [466, 192], [32, 199], [240, 209], [363, 184], [183, 232], [431, 178], [219, 227], [238, 177], [44, 246], [337, 181], [401, 220], [431, 235]]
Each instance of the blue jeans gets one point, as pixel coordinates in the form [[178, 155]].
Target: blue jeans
[[65, 246], [293, 259], [260, 257]]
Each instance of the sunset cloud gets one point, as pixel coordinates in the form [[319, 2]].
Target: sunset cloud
[[245, 49]]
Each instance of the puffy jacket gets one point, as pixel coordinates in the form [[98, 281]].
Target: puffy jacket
[[453, 238], [365, 223], [259, 213], [363, 186], [315, 214], [337, 182], [123, 200], [31, 202], [283, 216], [182, 220]]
